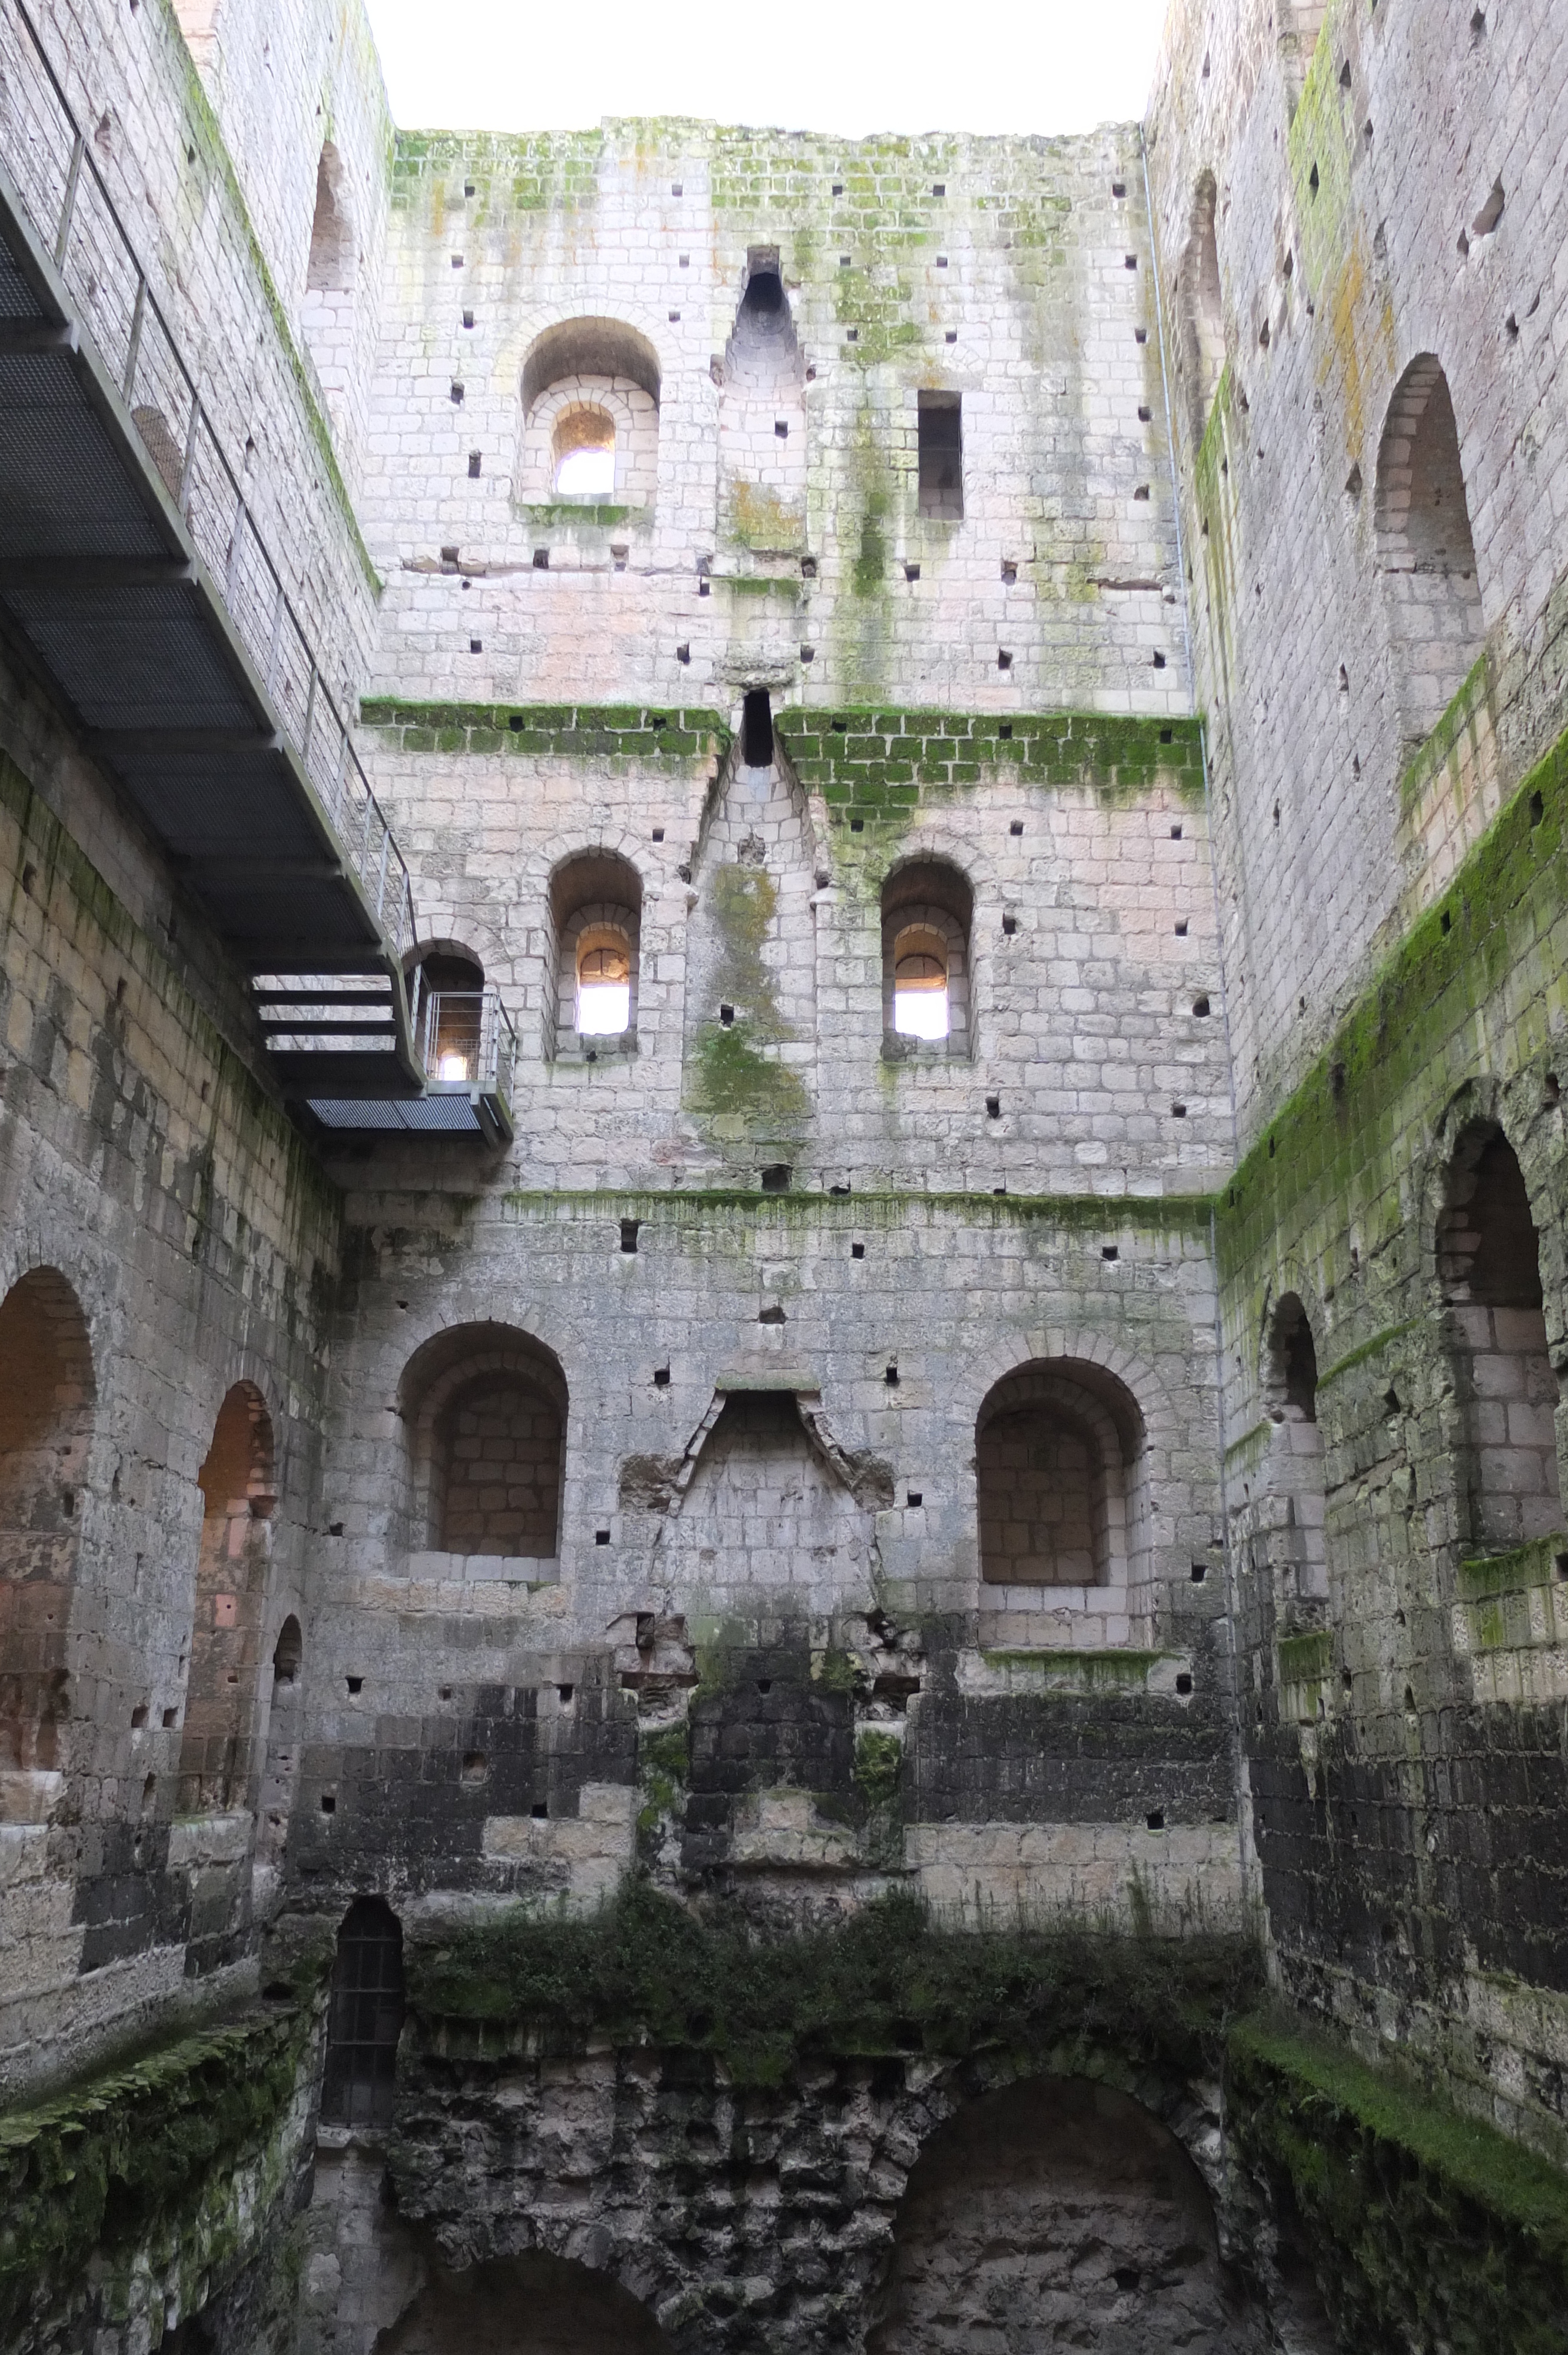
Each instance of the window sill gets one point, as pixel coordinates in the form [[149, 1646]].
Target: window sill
[[896, 1047], [614, 1046], [595, 513]]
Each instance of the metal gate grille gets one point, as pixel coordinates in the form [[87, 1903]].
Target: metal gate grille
[[367, 2016]]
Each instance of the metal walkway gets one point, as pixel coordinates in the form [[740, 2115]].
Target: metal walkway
[[134, 584]]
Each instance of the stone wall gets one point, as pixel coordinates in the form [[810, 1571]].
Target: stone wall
[[193, 1246], [1391, 916], [1015, 275]]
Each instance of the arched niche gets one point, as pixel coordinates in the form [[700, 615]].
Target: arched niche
[[238, 1491], [279, 1772], [1055, 1444], [47, 1399], [762, 414], [1489, 1265], [485, 1409], [533, 2305], [928, 915], [1426, 554], [1298, 1542], [331, 270], [596, 919], [1200, 308], [590, 416], [1059, 2212]]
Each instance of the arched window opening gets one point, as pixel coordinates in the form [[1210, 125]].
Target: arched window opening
[[994, 2223], [596, 905], [366, 2019], [1054, 1445], [47, 1395], [590, 416], [920, 982], [604, 981], [756, 728], [533, 2305], [1489, 1266], [1295, 1531], [1201, 325], [332, 262], [447, 994], [582, 450], [486, 1409], [238, 1495], [1426, 558], [927, 908]]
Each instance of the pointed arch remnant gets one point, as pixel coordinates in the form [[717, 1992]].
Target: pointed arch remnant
[[1425, 555]]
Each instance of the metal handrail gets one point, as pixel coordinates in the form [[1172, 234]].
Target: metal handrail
[[466, 1039], [74, 217]]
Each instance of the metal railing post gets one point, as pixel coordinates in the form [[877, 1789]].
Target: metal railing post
[[68, 202], [309, 715], [187, 465], [133, 355], [277, 607], [236, 538]]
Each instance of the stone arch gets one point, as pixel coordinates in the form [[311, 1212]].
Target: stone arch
[[1426, 554], [238, 1486], [535, 2304], [1054, 1443], [1057, 2202], [590, 383], [927, 917], [485, 1409], [445, 981], [1200, 308], [596, 913], [47, 1397], [1505, 1395], [1155, 1469]]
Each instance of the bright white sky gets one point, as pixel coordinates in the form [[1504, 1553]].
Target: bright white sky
[[851, 66]]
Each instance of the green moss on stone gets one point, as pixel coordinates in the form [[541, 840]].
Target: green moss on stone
[[580, 731], [134, 2152], [646, 1969], [1427, 2228], [1483, 1575], [1306, 1659], [1093, 1671], [878, 1758]]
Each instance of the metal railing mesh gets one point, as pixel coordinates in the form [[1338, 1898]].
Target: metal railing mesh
[[74, 218]]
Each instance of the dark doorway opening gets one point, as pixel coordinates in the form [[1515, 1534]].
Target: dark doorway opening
[[756, 730]]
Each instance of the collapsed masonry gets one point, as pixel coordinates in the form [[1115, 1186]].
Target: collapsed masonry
[[782, 1268]]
